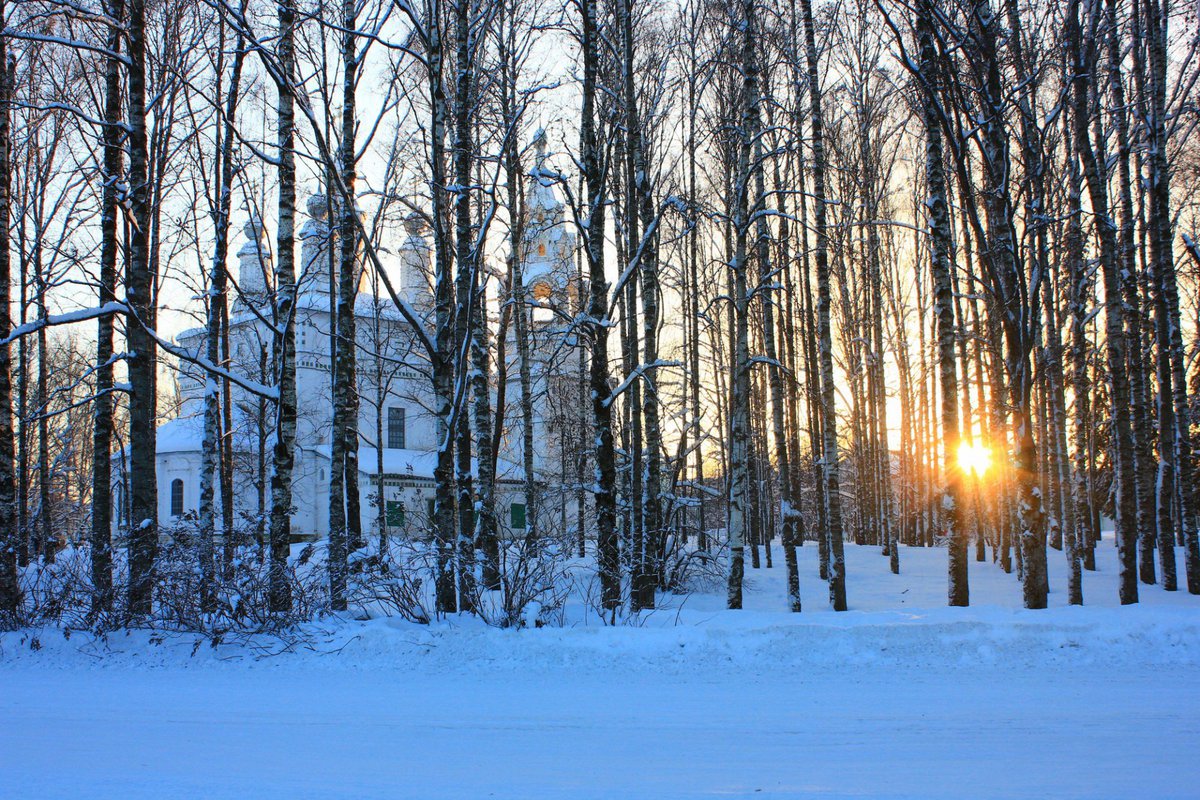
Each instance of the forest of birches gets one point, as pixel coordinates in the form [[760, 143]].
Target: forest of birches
[[821, 248]]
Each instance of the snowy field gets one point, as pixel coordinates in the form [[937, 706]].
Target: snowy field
[[898, 698]]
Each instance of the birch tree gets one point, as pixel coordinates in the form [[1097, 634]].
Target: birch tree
[[829, 438], [217, 313], [1114, 328], [939, 262], [10, 591], [142, 361], [283, 347], [594, 169]]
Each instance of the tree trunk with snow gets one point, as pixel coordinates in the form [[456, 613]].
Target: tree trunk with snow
[[939, 233], [465, 291], [594, 171], [829, 449], [212, 453], [768, 285], [102, 408], [739, 497], [1079, 296], [643, 260], [10, 590], [284, 345], [142, 361], [692, 298], [1080, 54], [444, 345], [1175, 410], [514, 308], [345, 524]]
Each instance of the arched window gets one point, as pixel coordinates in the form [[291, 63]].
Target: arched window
[[177, 497], [543, 293]]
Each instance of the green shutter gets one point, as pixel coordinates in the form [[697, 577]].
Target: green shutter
[[395, 514], [516, 514]]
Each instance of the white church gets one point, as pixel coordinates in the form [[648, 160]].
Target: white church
[[397, 432]]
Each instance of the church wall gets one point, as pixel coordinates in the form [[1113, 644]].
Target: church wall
[[549, 273]]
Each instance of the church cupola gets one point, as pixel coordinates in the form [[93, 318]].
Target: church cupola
[[414, 264], [254, 263], [314, 246]]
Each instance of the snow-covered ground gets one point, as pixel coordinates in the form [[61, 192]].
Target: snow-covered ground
[[898, 698]]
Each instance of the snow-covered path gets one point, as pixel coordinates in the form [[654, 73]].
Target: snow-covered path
[[883, 733], [885, 702]]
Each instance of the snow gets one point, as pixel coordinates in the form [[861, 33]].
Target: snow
[[66, 318], [186, 434], [181, 435], [900, 697]]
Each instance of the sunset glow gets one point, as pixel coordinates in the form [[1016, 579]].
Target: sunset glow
[[974, 458]]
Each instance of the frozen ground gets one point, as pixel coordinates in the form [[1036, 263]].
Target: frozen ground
[[898, 698]]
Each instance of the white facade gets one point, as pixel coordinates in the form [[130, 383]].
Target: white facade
[[394, 391]]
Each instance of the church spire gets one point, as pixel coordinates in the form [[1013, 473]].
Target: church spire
[[539, 146]]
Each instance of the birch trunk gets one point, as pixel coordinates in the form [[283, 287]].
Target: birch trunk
[[829, 450], [486, 537], [939, 229], [593, 169], [10, 589], [48, 547], [143, 536], [284, 345], [643, 255], [444, 346], [513, 309], [345, 519], [1124, 463], [1175, 410], [739, 411], [466, 289], [693, 298], [217, 314], [767, 283], [1079, 301], [102, 409], [1018, 306]]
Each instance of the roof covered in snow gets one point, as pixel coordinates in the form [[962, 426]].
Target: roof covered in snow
[[186, 434]]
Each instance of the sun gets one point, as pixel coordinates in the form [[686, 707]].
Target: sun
[[974, 458]]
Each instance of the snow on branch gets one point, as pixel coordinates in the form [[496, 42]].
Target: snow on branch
[[69, 318], [641, 370], [213, 370]]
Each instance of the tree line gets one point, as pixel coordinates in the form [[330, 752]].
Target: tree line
[[829, 257]]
